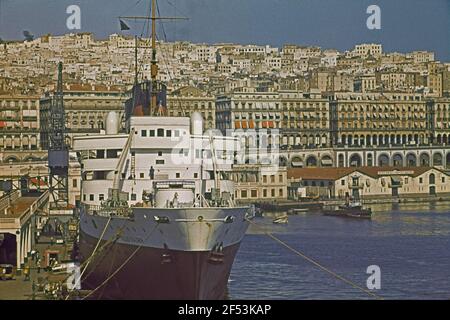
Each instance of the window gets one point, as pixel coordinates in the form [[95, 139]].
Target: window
[[100, 154], [432, 178], [272, 178], [254, 193], [264, 179], [74, 183], [195, 175], [443, 179], [272, 192], [91, 197], [280, 178], [160, 132], [143, 133], [280, 192], [84, 197], [420, 180], [112, 154], [159, 153], [101, 197], [133, 197], [243, 193], [159, 161], [177, 133], [152, 133], [141, 175], [265, 193], [177, 175], [343, 182], [168, 133]]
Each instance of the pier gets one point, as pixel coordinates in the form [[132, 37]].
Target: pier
[[19, 223]]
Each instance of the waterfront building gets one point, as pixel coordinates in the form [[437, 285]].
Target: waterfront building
[[368, 182], [301, 119], [381, 119], [259, 183]]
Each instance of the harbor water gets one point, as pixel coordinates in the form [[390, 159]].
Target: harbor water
[[409, 242]]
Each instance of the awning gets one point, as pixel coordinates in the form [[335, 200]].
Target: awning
[[37, 182], [237, 124], [297, 163], [328, 162]]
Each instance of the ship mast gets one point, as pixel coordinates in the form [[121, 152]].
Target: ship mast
[[154, 62], [154, 65]]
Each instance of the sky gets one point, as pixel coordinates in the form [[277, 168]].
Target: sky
[[406, 25]]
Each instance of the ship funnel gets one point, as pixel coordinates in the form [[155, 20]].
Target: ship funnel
[[112, 123], [196, 123]]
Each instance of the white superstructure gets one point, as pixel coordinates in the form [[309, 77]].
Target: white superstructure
[[161, 149]]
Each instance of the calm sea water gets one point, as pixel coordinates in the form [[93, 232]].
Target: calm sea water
[[409, 242]]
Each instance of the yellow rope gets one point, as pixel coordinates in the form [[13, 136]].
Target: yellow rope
[[93, 253], [334, 274]]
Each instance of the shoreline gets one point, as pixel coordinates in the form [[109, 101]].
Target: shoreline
[[316, 205]]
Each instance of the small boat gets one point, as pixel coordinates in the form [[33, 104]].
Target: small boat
[[281, 219], [297, 211], [350, 210]]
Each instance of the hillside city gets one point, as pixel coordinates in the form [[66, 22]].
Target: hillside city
[[322, 109]]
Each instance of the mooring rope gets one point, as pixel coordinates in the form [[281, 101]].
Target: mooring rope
[[121, 266], [317, 264], [92, 255]]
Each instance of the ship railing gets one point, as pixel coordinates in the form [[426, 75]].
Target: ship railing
[[105, 211]]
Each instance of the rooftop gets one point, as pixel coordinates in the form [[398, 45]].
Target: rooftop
[[337, 173]]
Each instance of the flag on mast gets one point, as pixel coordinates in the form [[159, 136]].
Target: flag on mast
[[123, 25]]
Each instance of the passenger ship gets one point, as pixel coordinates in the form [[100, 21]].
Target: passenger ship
[[158, 218]]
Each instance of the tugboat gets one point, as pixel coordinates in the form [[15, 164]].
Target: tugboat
[[352, 209]]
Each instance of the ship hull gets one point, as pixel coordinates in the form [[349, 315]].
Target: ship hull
[[157, 274], [185, 259]]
